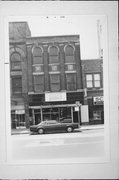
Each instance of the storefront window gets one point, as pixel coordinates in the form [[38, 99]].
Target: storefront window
[[18, 119], [57, 113], [65, 113], [96, 115]]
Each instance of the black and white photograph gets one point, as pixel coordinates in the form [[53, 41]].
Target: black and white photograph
[[57, 85]]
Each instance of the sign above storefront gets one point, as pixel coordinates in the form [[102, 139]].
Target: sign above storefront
[[58, 96], [22, 111], [17, 107], [98, 100], [77, 108]]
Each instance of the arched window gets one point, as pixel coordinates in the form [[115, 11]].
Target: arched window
[[54, 68], [69, 54], [70, 68], [38, 69], [15, 61], [53, 55], [38, 60], [16, 65], [37, 55]]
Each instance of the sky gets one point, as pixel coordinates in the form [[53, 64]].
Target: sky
[[85, 26]]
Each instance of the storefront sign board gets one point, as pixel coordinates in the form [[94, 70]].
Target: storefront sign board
[[58, 96], [98, 100]]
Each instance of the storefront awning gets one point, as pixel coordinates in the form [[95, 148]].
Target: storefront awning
[[52, 106]]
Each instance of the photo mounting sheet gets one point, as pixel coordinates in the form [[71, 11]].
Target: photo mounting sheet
[[59, 87]]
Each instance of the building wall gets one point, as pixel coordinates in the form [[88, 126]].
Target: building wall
[[60, 42], [67, 68], [18, 31], [24, 45], [91, 94]]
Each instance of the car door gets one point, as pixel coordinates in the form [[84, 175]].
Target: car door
[[53, 126], [50, 126]]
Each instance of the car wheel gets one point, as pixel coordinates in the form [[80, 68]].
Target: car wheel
[[40, 131], [69, 129]]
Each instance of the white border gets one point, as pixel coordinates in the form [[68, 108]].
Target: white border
[[104, 169]]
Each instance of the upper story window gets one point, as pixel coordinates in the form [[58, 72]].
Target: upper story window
[[71, 81], [55, 82], [53, 55], [38, 83], [69, 59], [69, 54], [38, 69], [37, 55], [37, 60], [89, 80], [96, 80], [16, 84], [16, 62], [54, 68], [93, 80]]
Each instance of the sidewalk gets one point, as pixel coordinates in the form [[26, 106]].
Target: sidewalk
[[92, 127], [83, 128], [19, 131]]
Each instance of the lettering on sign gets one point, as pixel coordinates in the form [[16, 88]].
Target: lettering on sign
[[98, 100]]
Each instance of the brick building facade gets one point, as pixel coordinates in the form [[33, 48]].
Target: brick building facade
[[50, 81], [92, 77], [55, 77], [18, 32]]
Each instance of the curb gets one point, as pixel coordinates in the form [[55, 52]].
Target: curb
[[16, 133], [92, 128], [81, 128]]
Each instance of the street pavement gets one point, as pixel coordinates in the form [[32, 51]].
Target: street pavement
[[80, 143], [21, 131]]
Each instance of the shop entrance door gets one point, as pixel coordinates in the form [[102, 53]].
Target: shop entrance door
[[76, 116], [37, 116]]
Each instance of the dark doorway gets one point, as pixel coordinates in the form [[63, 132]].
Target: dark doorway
[[75, 117]]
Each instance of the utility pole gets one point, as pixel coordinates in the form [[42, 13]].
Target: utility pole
[[99, 31]]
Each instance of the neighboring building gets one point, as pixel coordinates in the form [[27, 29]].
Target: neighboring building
[[18, 32], [50, 81], [92, 73]]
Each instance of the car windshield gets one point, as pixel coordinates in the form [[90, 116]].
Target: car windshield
[[42, 123]]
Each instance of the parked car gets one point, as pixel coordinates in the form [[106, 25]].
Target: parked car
[[66, 120], [53, 126]]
